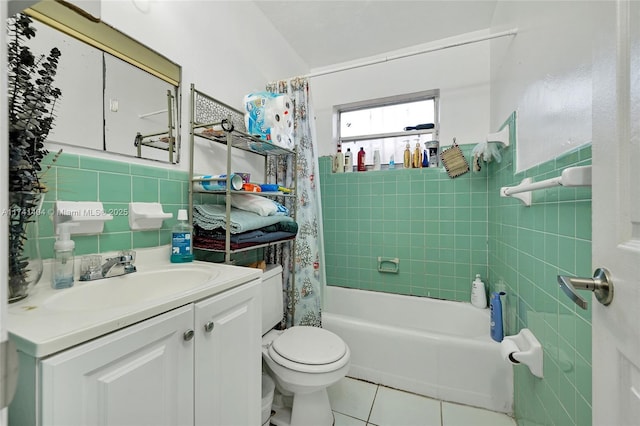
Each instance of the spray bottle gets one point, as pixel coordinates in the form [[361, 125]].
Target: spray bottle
[[62, 276]]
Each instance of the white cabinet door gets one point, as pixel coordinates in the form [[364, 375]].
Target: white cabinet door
[[228, 358], [141, 375]]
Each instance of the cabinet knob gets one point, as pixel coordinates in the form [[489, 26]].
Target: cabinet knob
[[188, 335], [208, 327]]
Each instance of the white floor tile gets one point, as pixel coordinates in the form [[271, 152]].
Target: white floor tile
[[396, 408], [461, 415], [352, 397], [342, 420]]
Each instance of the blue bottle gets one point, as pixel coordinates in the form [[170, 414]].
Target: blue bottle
[[181, 242], [497, 333]]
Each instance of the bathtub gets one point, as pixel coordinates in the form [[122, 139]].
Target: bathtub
[[431, 347]]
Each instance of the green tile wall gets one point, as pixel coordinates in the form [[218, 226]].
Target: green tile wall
[[445, 230], [436, 226], [528, 248], [79, 178]]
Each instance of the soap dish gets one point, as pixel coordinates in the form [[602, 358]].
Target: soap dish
[[88, 216], [146, 216]]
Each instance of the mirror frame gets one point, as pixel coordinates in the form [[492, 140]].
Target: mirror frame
[[73, 21]]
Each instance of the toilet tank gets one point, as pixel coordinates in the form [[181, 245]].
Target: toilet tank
[[272, 305]]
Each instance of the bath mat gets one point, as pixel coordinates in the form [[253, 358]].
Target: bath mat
[[454, 161]]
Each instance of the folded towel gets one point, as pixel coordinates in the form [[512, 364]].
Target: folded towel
[[288, 227], [215, 244], [212, 216], [258, 204]]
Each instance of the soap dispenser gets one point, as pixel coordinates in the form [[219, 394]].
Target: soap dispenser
[[478, 293], [62, 275], [407, 156], [417, 157]]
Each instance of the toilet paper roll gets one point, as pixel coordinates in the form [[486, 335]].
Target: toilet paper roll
[[507, 348]]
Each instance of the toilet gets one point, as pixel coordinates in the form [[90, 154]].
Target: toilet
[[303, 361]]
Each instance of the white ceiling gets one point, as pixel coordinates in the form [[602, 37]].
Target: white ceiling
[[327, 32]]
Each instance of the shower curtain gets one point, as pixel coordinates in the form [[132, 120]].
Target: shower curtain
[[303, 270]]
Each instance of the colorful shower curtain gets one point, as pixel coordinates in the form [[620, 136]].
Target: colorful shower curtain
[[304, 268]]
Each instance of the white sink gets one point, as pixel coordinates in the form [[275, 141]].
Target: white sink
[[131, 289]]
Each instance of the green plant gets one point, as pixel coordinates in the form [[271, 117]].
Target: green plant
[[32, 100]]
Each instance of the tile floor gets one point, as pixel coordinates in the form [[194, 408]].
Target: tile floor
[[359, 403]]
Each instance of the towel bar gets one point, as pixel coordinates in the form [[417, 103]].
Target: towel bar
[[571, 176]]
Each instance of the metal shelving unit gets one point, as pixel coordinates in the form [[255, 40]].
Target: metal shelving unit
[[218, 123], [168, 140]]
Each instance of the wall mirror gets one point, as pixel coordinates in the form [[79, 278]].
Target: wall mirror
[[117, 95]]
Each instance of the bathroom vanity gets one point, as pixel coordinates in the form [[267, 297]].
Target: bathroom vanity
[[172, 344]]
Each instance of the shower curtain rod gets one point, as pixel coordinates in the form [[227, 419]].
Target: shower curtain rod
[[506, 33]]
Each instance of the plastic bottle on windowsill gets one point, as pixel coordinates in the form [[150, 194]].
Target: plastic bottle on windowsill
[[348, 161], [361, 165], [407, 156]]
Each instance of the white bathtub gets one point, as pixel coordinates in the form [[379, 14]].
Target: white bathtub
[[431, 347]]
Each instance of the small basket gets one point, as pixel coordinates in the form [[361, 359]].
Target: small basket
[[454, 161]]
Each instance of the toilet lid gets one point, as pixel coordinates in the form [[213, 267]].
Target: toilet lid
[[309, 345]]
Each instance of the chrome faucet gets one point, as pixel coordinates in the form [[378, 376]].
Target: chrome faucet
[[122, 264]]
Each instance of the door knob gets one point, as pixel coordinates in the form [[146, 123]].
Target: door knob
[[600, 284], [188, 335], [208, 327]]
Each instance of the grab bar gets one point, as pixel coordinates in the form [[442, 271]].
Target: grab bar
[[570, 177]]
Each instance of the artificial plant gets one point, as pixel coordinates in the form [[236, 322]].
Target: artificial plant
[[32, 98]]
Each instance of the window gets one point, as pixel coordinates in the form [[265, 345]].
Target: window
[[380, 124]]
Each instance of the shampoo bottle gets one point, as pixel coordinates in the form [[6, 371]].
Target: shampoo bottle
[[478, 294], [497, 333], [62, 276], [376, 160], [361, 166], [348, 161], [181, 242], [392, 163], [338, 166], [407, 157]]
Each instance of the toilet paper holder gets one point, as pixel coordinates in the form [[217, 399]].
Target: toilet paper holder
[[523, 348]]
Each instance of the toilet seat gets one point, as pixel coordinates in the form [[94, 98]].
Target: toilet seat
[[309, 350]]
